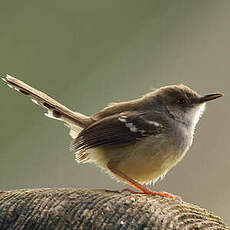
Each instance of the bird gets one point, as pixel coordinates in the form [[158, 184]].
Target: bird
[[136, 142]]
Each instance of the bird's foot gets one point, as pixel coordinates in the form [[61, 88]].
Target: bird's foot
[[151, 193]]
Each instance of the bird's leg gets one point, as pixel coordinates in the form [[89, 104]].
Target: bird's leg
[[140, 187]]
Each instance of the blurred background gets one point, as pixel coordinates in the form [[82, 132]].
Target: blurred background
[[86, 54]]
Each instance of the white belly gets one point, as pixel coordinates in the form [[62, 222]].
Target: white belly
[[145, 162], [149, 161]]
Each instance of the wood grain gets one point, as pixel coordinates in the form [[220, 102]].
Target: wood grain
[[72, 208]]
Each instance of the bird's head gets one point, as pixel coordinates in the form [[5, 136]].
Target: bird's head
[[181, 103]]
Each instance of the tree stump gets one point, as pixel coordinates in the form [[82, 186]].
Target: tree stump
[[72, 208]]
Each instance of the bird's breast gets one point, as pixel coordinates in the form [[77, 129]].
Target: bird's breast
[[152, 157], [148, 159]]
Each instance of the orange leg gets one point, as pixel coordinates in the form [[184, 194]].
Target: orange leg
[[140, 187]]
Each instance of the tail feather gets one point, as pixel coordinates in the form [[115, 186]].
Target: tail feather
[[75, 121]]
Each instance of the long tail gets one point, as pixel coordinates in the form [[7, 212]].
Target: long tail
[[73, 120]]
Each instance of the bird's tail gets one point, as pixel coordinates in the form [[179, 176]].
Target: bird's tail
[[75, 121]]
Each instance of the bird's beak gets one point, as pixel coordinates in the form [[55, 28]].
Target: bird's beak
[[209, 97]]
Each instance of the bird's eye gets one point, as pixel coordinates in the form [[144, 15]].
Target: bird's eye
[[182, 101]]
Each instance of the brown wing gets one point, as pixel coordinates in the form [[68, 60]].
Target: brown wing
[[55, 109], [119, 129]]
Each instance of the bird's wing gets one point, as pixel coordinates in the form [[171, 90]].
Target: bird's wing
[[116, 130]]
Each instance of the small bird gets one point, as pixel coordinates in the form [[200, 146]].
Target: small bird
[[136, 141]]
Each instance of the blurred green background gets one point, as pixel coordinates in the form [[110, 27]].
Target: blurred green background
[[89, 53]]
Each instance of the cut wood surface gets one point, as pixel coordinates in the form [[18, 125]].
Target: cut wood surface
[[72, 208]]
